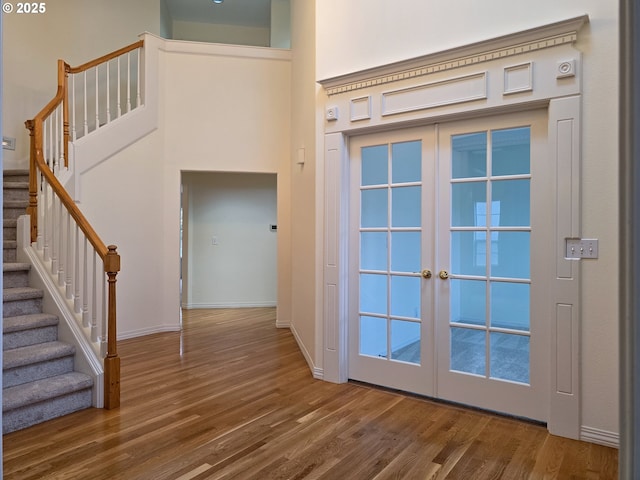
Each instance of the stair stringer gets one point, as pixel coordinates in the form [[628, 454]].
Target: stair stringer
[[87, 359]]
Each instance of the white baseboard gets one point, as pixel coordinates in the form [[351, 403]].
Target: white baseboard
[[148, 331], [315, 371], [196, 306], [601, 437]]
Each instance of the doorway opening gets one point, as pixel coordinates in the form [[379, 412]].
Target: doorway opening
[[228, 245]]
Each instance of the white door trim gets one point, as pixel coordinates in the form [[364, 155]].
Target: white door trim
[[539, 67]]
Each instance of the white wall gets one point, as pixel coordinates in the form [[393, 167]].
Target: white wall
[[217, 33], [74, 30], [365, 33], [237, 209], [222, 108], [304, 214]]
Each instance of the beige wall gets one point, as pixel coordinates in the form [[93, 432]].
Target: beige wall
[[304, 240], [222, 109], [365, 33], [74, 30]]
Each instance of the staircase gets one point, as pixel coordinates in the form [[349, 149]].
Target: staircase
[[38, 377]]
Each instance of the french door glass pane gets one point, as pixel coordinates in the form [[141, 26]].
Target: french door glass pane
[[405, 296], [468, 301], [512, 255], [374, 208], [509, 357], [373, 336], [375, 170], [405, 251], [469, 155], [511, 151], [468, 352], [373, 293], [405, 341], [468, 204], [406, 162], [510, 203], [510, 305], [373, 251], [406, 205], [469, 253]]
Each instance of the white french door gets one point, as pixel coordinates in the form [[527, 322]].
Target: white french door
[[391, 254], [449, 226]]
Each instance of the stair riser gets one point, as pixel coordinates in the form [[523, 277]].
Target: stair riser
[[38, 371], [9, 255], [33, 336], [15, 279], [9, 233], [21, 307], [29, 415], [21, 177], [13, 212], [15, 194]]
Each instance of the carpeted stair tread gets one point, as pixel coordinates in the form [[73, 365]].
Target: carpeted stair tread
[[15, 204], [15, 267], [41, 390], [10, 172], [15, 184], [28, 322], [10, 222], [41, 352], [21, 293], [9, 244]]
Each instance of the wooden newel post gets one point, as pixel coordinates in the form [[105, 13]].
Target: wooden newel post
[[112, 361], [32, 209]]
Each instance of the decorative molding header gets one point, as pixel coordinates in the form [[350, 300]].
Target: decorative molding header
[[548, 36]]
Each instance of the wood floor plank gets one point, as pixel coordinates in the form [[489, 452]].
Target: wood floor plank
[[231, 397]]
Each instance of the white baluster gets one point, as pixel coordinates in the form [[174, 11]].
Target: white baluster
[[119, 101], [62, 260], [97, 126], [77, 305], [94, 307], [54, 140], [138, 95], [54, 234], [61, 137], [45, 217], [86, 115], [128, 82], [73, 108], [48, 151], [70, 258], [85, 285], [108, 93]]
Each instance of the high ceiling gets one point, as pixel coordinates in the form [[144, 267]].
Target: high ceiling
[[250, 13]]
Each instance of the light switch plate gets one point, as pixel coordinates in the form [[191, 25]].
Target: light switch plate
[[576, 248]]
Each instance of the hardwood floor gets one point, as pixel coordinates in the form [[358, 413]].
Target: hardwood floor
[[231, 397]]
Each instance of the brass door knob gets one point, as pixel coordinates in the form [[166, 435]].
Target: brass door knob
[[443, 274], [426, 273]]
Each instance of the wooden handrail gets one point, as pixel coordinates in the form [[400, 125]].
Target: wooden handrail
[[108, 255], [106, 58]]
